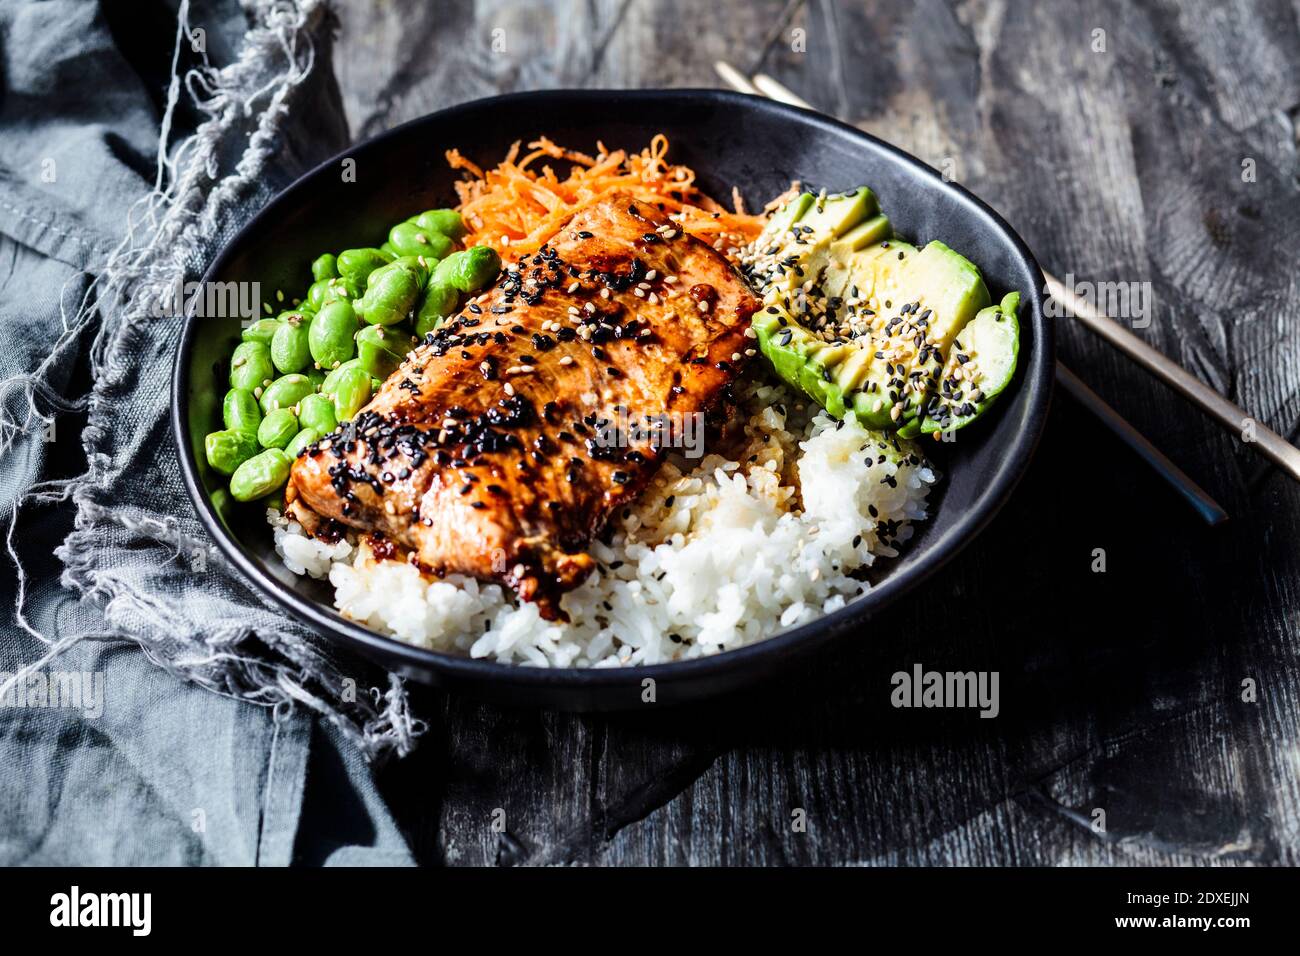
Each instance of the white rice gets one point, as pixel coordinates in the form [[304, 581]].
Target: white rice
[[746, 549]]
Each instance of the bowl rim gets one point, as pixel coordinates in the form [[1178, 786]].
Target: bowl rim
[[1038, 379]]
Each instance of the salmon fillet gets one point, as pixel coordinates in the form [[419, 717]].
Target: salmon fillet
[[506, 439]]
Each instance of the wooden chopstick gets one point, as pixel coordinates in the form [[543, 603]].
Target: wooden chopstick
[[1273, 445], [1206, 507], [734, 78], [1194, 494]]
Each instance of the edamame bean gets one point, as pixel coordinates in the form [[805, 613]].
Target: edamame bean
[[469, 270], [229, 449], [317, 292], [286, 391], [445, 221], [327, 386], [250, 366], [420, 265], [356, 264], [277, 428], [300, 441], [392, 293], [324, 267], [290, 349], [479, 268], [443, 271], [240, 411], [440, 301], [260, 475], [260, 331], [350, 392], [411, 240], [316, 377], [317, 412], [345, 287], [330, 336], [381, 350]]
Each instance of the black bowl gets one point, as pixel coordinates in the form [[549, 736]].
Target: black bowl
[[729, 139]]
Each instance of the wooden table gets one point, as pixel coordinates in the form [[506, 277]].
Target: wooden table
[[1162, 151]]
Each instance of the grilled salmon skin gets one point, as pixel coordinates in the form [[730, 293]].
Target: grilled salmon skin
[[506, 439]]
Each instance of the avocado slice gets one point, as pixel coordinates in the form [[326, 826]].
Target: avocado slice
[[802, 232], [802, 358], [870, 275], [883, 375], [833, 216], [868, 371], [841, 375], [947, 290], [894, 310], [785, 217], [866, 233], [980, 366], [921, 298], [869, 239]]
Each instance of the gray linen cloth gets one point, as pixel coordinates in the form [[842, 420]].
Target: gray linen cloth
[[152, 708]]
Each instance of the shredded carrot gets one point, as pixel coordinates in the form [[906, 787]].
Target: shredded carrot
[[517, 205]]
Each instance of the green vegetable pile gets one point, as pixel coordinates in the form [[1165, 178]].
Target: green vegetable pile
[[296, 377]]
